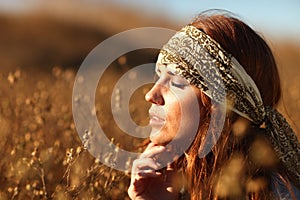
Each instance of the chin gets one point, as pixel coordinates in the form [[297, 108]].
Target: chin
[[160, 140], [155, 140], [160, 136]]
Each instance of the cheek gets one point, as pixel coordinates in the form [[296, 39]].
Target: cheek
[[179, 114], [186, 115], [173, 110], [182, 118]]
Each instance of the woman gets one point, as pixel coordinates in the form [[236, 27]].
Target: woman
[[241, 149]]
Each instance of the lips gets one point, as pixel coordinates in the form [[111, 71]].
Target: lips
[[156, 120]]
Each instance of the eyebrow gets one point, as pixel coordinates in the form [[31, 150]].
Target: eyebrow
[[168, 71]]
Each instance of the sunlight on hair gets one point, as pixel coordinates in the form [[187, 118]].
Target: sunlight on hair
[[228, 183], [229, 105], [240, 127], [262, 154], [256, 185]]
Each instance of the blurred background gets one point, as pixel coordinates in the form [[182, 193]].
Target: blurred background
[[45, 33], [42, 45]]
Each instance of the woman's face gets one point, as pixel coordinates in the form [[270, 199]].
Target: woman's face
[[174, 114]]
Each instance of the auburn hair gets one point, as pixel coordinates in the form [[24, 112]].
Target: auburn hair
[[207, 177]]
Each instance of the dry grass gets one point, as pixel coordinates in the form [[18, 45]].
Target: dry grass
[[42, 155]]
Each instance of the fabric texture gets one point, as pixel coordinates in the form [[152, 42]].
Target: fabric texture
[[205, 64]]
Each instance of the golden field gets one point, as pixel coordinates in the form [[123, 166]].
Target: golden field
[[42, 156]]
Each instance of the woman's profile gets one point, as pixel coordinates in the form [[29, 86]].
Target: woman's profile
[[253, 152]]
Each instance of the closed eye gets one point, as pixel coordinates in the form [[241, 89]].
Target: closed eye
[[178, 85], [179, 82]]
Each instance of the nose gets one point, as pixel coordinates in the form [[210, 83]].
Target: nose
[[155, 95]]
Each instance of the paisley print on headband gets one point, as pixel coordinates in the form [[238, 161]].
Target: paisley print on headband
[[205, 64]]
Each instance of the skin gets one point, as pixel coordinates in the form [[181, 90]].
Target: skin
[[147, 182], [174, 121]]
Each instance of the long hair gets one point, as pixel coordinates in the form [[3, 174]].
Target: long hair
[[241, 164]]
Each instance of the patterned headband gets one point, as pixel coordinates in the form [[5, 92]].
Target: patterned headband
[[204, 63]]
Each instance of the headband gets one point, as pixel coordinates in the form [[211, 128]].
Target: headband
[[205, 64]]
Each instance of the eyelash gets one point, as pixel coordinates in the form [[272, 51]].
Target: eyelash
[[172, 83], [181, 86]]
